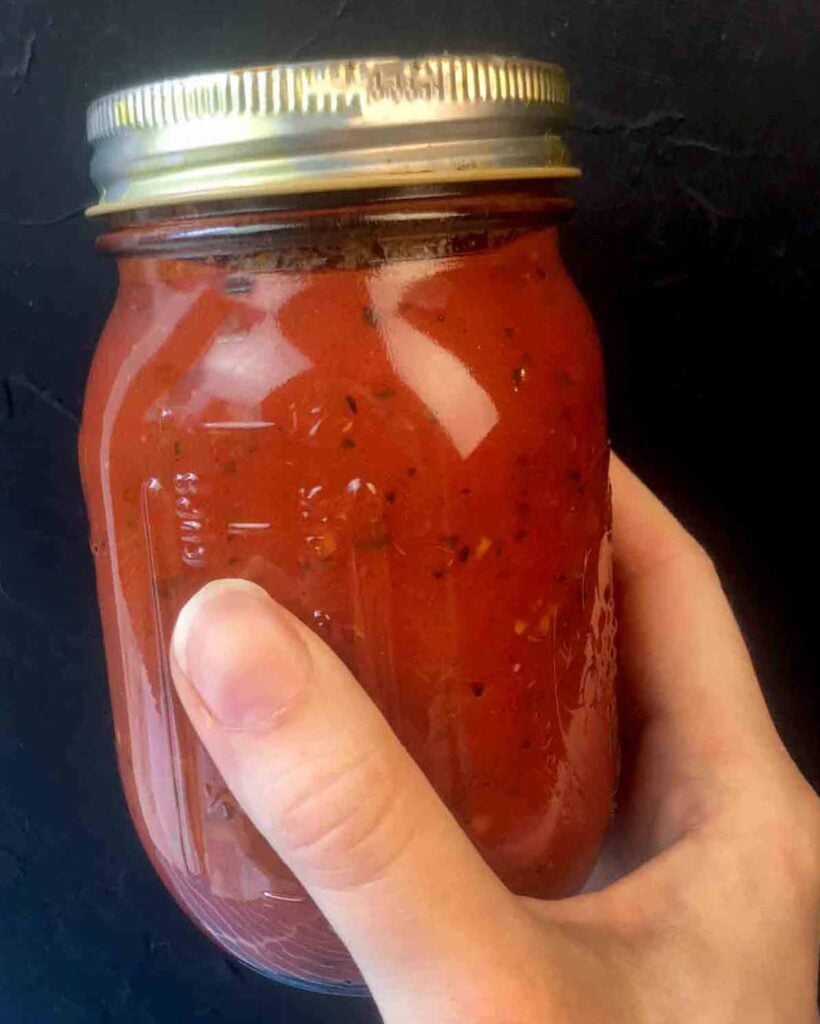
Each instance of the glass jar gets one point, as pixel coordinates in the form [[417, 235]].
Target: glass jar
[[386, 406]]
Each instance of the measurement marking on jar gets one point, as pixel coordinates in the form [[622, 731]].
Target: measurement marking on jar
[[248, 527], [239, 424], [167, 710], [192, 519]]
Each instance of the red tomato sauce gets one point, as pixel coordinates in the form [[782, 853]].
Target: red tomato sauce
[[411, 455]]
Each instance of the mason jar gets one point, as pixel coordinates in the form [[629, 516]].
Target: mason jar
[[346, 362]]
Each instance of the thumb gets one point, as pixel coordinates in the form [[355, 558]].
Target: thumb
[[323, 778]]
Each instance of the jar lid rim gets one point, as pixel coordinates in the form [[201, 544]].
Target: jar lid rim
[[329, 125]]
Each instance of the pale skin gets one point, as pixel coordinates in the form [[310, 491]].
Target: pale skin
[[707, 902]]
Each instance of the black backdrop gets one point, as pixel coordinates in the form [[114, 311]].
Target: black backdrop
[[696, 244]]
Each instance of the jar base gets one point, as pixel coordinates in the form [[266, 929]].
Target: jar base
[[354, 989]]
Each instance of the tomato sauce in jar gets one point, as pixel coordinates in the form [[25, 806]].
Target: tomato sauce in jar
[[387, 408]]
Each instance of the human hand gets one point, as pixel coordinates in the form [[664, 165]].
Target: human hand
[[710, 889]]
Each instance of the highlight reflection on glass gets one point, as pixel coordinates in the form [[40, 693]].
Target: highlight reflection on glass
[[442, 382]]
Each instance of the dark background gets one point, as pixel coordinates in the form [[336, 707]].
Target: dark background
[[696, 243]]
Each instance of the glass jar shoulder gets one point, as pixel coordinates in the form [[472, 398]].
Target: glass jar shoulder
[[464, 340]]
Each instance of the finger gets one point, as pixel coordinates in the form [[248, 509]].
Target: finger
[[317, 769], [682, 649], [686, 674]]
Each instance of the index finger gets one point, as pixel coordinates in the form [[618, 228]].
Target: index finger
[[683, 658]]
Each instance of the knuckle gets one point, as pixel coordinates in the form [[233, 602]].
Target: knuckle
[[342, 818], [686, 557], [794, 844], [698, 557], [806, 855]]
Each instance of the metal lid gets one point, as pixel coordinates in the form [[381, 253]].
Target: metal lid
[[323, 126]]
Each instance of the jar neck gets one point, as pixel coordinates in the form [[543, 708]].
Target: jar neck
[[297, 234]]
